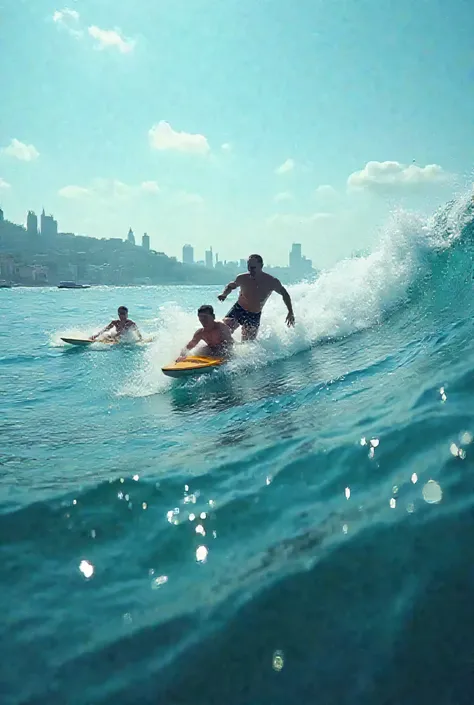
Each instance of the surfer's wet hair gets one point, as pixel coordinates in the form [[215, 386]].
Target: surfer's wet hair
[[123, 308], [259, 258], [206, 308]]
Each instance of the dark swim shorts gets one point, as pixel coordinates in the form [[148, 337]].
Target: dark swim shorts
[[247, 319]]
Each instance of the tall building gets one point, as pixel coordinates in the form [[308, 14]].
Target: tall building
[[131, 237], [188, 254], [1, 215], [32, 223], [209, 259], [295, 256], [49, 226], [146, 242]]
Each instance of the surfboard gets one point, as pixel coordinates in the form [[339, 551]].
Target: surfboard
[[85, 341], [194, 364]]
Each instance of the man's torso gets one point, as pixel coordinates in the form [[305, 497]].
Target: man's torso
[[122, 326], [255, 291], [214, 337]]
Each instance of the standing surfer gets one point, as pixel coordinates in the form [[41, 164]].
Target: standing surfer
[[255, 288]]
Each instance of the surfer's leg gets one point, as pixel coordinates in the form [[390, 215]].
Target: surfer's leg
[[249, 332]]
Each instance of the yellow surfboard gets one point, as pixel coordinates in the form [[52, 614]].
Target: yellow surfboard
[[194, 364]]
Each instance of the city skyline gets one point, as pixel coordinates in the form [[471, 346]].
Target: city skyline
[[244, 148]]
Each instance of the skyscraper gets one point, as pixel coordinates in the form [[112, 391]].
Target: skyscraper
[[188, 254], [131, 237], [209, 259], [146, 242], [32, 223], [49, 226], [295, 256]]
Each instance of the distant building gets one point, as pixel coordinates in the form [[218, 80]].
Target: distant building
[[188, 254], [209, 259], [49, 226], [131, 237], [146, 242], [32, 223], [295, 256], [243, 264], [300, 266], [1, 216]]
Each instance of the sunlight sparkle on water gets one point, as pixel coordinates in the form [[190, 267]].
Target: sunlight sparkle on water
[[432, 492], [347, 492], [201, 553], [278, 661], [158, 582], [87, 569]]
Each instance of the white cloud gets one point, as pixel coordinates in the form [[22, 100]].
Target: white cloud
[[286, 167], [226, 147], [111, 39], [4, 184], [283, 196], [393, 175], [326, 191], [74, 192], [106, 190], [69, 20], [20, 150], [150, 187], [163, 137]]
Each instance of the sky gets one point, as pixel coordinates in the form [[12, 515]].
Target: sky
[[243, 125]]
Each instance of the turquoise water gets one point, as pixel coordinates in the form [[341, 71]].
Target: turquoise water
[[295, 528]]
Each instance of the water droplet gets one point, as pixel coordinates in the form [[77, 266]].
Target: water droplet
[[410, 508], [172, 516], [203, 515], [136, 478], [190, 498], [268, 480], [192, 517], [122, 480], [374, 442], [462, 453], [395, 489], [93, 534], [200, 530], [144, 505], [186, 488], [278, 661], [127, 497], [393, 503], [201, 553], [120, 495], [87, 569], [347, 492], [127, 618], [212, 503], [432, 492], [414, 478], [74, 501], [214, 534], [454, 449], [465, 437], [363, 442], [345, 528]]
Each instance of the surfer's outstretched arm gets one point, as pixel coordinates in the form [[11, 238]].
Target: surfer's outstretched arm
[[230, 287], [135, 329], [104, 330], [192, 344], [280, 289]]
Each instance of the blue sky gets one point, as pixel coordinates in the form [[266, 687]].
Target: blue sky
[[245, 125]]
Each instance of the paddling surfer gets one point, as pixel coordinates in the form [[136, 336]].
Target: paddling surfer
[[123, 326], [215, 334], [255, 288]]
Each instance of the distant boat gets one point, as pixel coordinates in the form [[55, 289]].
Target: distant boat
[[72, 285], [4, 284]]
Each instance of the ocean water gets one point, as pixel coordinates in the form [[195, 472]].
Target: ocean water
[[297, 527]]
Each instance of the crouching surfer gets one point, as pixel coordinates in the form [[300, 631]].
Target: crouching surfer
[[215, 334]]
